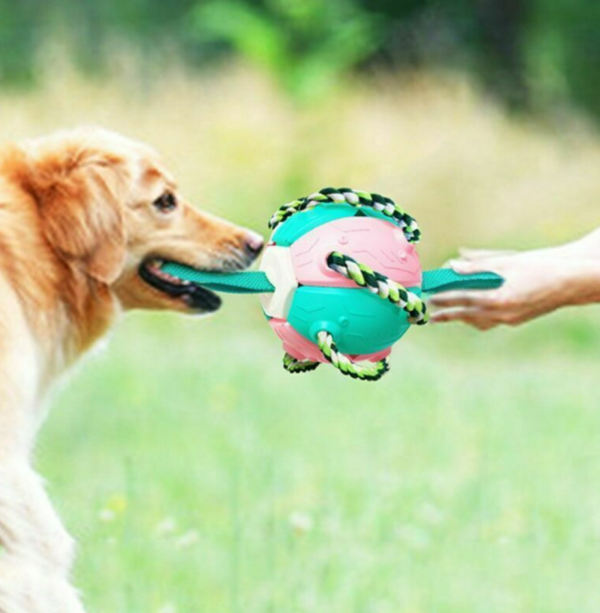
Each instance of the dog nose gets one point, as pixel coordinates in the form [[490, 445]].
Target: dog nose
[[254, 243]]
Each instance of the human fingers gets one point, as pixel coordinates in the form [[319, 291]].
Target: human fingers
[[478, 318], [466, 253], [466, 298]]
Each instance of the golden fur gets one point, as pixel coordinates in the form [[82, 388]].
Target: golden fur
[[78, 217]]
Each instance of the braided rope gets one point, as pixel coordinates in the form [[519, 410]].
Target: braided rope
[[293, 365], [327, 346], [357, 198], [364, 372], [379, 284]]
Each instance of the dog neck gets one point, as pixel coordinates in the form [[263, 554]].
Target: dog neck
[[88, 309], [66, 310]]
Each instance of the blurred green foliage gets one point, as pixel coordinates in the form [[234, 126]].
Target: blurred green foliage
[[530, 52], [305, 44]]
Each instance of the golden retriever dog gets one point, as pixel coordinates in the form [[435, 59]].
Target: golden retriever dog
[[86, 219]]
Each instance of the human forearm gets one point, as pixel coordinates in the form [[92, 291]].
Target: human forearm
[[586, 247], [581, 281]]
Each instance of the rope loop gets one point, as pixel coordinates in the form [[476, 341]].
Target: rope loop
[[327, 346], [364, 372], [357, 198], [379, 284], [291, 364]]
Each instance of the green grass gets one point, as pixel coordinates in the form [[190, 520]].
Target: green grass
[[198, 475]]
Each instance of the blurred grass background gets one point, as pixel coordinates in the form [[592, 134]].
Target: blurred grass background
[[196, 474]]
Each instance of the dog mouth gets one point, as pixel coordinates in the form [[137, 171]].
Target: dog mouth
[[192, 295]]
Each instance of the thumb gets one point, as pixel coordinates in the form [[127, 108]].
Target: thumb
[[467, 253], [466, 267]]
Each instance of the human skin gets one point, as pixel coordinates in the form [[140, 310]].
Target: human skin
[[537, 282]]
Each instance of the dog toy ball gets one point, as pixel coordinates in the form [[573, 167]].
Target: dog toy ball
[[340, 281]]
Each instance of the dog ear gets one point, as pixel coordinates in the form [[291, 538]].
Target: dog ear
[[79, 194]]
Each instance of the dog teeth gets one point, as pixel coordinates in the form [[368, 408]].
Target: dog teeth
[[155, 264]]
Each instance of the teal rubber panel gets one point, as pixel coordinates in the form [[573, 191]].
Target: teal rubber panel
[[359, 321], [300, 223], [445, 279]]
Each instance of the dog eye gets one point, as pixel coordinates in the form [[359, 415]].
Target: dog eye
[[166, 203]]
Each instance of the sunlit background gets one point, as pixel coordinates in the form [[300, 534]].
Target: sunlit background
[[200, 477]]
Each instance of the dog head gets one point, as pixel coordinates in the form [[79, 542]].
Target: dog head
[[111, 210]]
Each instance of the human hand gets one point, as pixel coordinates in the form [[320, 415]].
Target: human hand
[[536, 283]]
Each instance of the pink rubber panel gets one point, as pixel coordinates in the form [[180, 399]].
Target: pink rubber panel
[[302, 349], [374, 242]]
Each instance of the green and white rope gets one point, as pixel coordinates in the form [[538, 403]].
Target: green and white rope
[[357, 198], [379, 284], [364, 372], [291, 364], [327, 346]]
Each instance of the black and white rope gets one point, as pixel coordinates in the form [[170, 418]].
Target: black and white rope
[[357, 198], [379, 284]]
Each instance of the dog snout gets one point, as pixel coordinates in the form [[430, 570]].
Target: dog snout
[[253, 244]]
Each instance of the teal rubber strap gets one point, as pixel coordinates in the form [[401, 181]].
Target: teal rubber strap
[[252, 282], [255, 282], [445, 280]]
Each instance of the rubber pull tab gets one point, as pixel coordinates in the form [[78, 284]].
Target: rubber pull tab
[[252, 282], [445, 280]]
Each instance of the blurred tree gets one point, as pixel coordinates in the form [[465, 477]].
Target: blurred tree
[[501, 38], [19, 38], [539, 51], [563, 52], [304, 43]]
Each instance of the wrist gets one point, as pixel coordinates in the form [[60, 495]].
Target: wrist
[[581, 282], [586, 247]]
